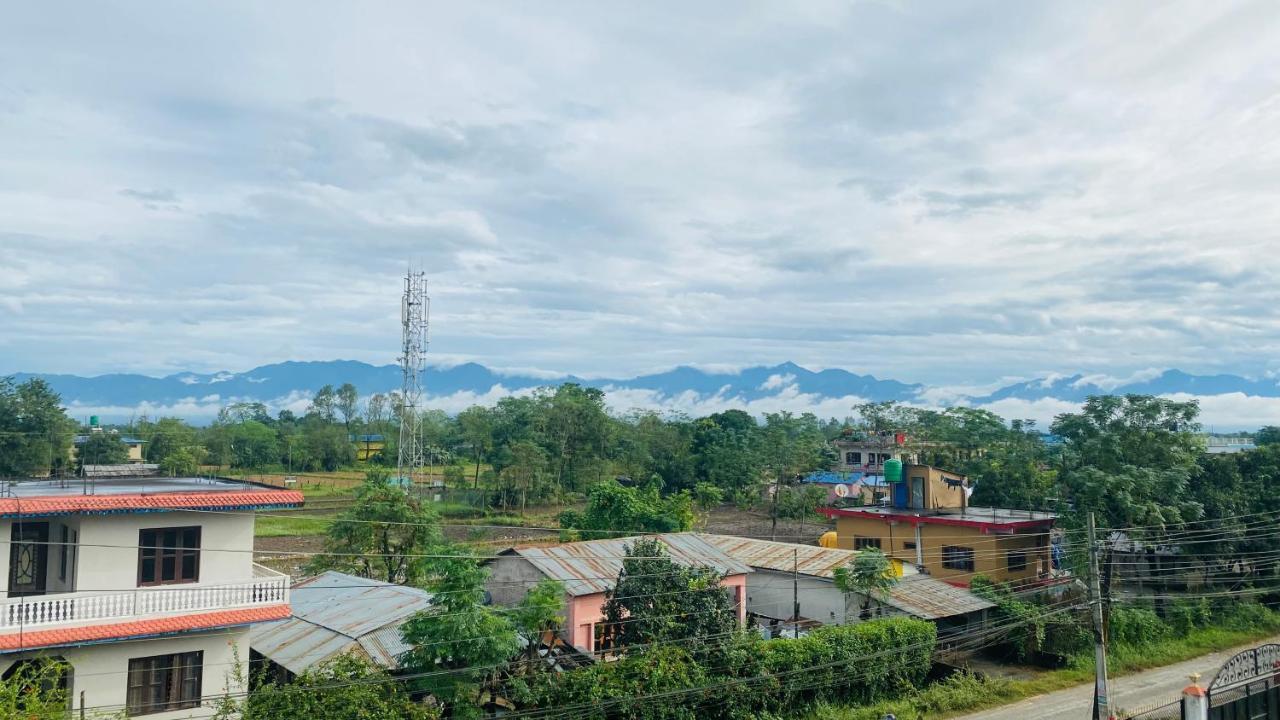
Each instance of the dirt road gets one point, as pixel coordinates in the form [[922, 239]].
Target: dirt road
[[1128, 692]]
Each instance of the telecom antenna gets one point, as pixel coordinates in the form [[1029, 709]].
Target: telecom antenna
[[415, 313]]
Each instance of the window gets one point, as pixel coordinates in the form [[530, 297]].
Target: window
[[853, 458], [908, 546], [862, 543], [1017, 560], [955, 557], [167, 556], [164, 682], [606, 637]]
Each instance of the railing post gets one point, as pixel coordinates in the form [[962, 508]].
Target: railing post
[[1195, 700]]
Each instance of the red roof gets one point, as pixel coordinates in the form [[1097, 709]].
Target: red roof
[[159, 626], [907, 516], [65, 505]]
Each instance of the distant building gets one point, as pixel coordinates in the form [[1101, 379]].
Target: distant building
[[1227, 444], [849, 488], [133, 444], [368, 446], [868, 452], [336, 614], [589, 570], [787, 574], [930, 522]]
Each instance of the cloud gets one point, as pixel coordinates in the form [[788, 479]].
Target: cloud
[[945, 195]]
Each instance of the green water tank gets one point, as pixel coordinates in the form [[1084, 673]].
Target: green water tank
[[893, 470], [93, 421]]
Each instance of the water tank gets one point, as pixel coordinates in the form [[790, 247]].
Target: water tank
[[893, 470], [93, 421], [829, 540]]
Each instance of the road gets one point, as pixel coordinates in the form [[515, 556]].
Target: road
[[1130, 691]]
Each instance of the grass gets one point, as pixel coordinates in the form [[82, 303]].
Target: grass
[[966, 693], [290, 526]]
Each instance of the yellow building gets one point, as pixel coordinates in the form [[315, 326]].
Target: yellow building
[[368, 446], [930, 523]]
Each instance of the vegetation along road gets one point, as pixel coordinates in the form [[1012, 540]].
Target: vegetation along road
[[1139, 690]]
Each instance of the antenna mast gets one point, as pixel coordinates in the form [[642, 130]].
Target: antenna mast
[[415, 312]]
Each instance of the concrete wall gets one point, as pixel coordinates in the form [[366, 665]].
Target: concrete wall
[[990, 552], [106, 557], [101, 671], [510, 578]]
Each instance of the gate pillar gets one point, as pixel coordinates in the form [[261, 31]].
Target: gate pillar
[[1195, 701]]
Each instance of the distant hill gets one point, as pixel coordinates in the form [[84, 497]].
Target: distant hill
[[291, 383]]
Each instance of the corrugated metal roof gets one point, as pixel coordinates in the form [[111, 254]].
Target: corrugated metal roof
[[334, 613], [592, 566], [917, 595], [933, 599], [805, 559]]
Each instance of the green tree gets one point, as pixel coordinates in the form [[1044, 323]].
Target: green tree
[[476, 425], [328, 446], [656, 600], [460, 646], [347, 402], [574, 430], [35, 432], [1013, 472], [325, 404], [382, 536], [252, 444], [180, 462], [869, 575], [344, 688], [791, 445], [537, 618], [613, 508], [1129, 459], [101, 448], [1269, 435], [165, 437], [36, 689]]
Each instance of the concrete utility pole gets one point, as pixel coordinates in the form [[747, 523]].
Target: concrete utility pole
[[1101, 693], [795, 589]]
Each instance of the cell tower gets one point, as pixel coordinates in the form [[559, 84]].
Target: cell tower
[[415, 313]]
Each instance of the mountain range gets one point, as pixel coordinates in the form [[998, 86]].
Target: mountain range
[[292, 383]]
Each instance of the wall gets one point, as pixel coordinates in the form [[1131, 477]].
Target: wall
[[990, 551], [510, 578], [106, 558], [769, 593], [101, 671], [585, 611]]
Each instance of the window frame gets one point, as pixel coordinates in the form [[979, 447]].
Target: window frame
[[958, 557], [1021, 567], [179, 675], [861, 542], [158, 552]]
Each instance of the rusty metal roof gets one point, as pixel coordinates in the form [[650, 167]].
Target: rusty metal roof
[[771, 555], [917, 595], [335, 613], [592, 566], [932, 599]]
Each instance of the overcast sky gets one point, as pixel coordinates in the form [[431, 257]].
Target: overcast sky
[[936, 192]]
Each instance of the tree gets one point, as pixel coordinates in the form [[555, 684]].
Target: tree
[[656, 600], [1013, 472], [792, 445], [574, 430], [35, 689], [613, 508], [35, 432], [476, 423], [252, 444], [101, 448], [347, 401], [460, 645], [382, 536], [344, 688], [870, 575], [1269, 435], [165, 437], [1129, 460], [328, 447], [537, 618], [180, 462], [324, 404]]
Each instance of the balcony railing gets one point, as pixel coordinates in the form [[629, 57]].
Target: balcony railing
[[267, 587]]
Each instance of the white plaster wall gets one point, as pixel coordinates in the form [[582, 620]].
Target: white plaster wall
[[106, 557], [101, 671], [769, 592]]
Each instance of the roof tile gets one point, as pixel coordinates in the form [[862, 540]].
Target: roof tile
[[157, 626]]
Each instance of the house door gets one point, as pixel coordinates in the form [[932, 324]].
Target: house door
[[917, 492], [28, 559]]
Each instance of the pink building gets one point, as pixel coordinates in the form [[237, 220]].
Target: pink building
[[589, 570]]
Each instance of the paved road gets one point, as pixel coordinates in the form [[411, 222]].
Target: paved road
[[1130, 691]]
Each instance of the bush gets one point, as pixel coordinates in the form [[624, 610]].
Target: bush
[[1134, 626]]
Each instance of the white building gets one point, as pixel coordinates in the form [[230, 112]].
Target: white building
[[787, 575], [146, 588]]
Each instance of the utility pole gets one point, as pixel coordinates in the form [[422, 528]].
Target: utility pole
[[795, 589], [1101, 693]]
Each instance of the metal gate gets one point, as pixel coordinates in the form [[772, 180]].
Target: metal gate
[[1246, 687]]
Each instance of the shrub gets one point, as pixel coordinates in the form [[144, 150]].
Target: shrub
[[1136, 626]]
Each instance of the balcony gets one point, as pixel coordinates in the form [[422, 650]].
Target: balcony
[[35, 612]]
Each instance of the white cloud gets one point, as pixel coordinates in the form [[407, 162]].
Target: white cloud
[[936, 193]]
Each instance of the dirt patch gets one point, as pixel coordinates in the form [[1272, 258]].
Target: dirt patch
[[731, 520]]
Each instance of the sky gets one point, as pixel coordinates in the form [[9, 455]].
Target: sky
[[950, 193]]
